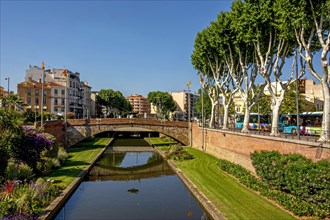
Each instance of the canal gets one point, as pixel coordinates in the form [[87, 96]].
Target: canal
[[131, 181]]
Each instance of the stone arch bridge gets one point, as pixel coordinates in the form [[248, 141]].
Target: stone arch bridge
[[80, 129]]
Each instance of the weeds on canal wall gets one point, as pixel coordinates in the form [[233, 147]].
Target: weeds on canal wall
[[292, 180]]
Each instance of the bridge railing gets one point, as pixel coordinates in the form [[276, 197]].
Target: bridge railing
[[125, 121]]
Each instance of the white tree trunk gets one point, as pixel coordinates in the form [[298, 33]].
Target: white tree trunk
[[245, 128], [325, 136], [225, 117], [211, 123], [276, 118]]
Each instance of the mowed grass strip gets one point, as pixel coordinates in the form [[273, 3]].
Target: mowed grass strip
[[159, 141], [232, 199], [79, 158]]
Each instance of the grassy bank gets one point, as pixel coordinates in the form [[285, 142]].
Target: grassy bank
[[79, 158], [232, 199], [156, 141]]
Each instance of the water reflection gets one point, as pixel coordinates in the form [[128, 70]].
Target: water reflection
[[131, 185]]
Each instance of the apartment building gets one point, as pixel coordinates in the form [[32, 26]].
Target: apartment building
[[31, 93], [78, 93], [186, 104], [139, 103]]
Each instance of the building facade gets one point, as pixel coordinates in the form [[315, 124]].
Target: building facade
[[186, 105], [77, 94], [31, 93], [139, 103]]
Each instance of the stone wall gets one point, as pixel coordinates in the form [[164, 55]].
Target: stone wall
[[237, 147], [79, 129]]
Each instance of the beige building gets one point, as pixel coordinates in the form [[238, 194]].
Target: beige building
[[31, 93], [313, 94], [139, 103], [186, 102], [78, 92]]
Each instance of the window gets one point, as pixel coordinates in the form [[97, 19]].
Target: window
[[63, 92], [55, 101], [55, 91], [28, 91], [62, 101], [45, 101], [28, 100], [37, 92], [36, 101], [55, 109]]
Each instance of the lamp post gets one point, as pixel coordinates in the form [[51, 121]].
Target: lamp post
[[7, 78], [188, 99], [297, 96], [42, 94], [65, 73], [202, 94]]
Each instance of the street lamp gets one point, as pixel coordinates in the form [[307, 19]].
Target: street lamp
[[7, 78], [202, 94], [42, 93]]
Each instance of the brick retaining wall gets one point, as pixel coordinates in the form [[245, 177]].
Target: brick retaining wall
[[237, 147]]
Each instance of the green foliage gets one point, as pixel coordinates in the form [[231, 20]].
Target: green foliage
[[299, 177], [18, 171], [289, 102], [163, 103], [10, 129], [62, 155], [178, 153], [47, 165], [52, 152], [114, 101], [26, 199], [207, 105], [30, 146]]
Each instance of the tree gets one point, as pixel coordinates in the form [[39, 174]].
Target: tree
[[207, 106], [163, 104], [13, 102], [10, 129], [114, 101], [289, 102], [311, 22], [240, 57], [208, 59]]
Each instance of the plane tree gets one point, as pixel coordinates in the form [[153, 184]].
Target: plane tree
[[208, 59], [241, 61], [310, 20], [163, 103], [114, 101]]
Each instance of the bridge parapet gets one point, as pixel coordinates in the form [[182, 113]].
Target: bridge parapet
[[79, 129], [118, 121]]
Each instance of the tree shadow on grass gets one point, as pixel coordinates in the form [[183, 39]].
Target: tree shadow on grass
[[83, 148], [70, 169]]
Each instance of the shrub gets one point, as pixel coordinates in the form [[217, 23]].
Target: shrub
[[178, 153], [298, 177], [53, 149], [29, 148], [62, 155], [26, 199], [18, 171], [3, 161], [48, 164]]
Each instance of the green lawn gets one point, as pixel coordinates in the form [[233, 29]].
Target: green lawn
[[80, 158], [232, 199], [156, 141]]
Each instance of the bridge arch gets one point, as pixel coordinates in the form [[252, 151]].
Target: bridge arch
[[80, 129]]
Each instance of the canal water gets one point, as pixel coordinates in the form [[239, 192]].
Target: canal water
[[134, 184]]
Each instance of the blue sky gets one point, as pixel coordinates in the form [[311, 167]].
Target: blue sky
[[130, 46]]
